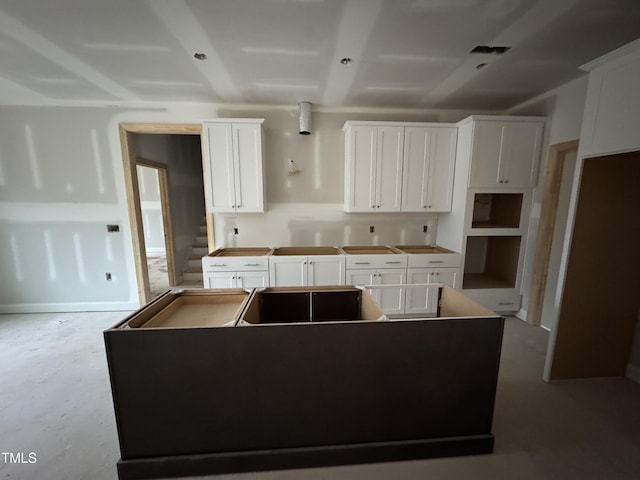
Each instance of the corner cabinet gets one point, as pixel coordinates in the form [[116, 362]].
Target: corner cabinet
[[398, 167], [233, 162], [505, 153]]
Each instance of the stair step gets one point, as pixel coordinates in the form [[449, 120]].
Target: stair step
[[191, 284], [203, 230], [188, 276], [199, 251], [194, 262]]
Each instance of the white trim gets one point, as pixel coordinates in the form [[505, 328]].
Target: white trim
[[521, 314], [633, 373], [68, 307], [616, 54], [501, 118], [544, 327], [155, 251]]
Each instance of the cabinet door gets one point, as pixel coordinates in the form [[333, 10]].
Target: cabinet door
[[220, 280], [429, 158], [248, 179], [391, 300], [419, 300], [252, 279], [326, 270], [360, 172], [521, 150], [486, 154], [448, 276], [287, 271], [219, 160], [441, 169], [364, 277], [390, 146], [415, 175]]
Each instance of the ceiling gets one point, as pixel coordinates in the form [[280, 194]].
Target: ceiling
[[404, 53]]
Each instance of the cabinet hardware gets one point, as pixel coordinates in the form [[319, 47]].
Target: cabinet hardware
[[363, 263], [310, 263], [436, 261], [251, 264], [219, 265], [392, 263], [505, 303]]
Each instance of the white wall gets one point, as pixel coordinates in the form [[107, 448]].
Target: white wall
[[151, 211], [62, 182], [563, 108]]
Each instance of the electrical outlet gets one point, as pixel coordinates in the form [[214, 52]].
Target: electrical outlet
[[108, 276], [424, 228], [113, 228], [235, 231], [372, 229]]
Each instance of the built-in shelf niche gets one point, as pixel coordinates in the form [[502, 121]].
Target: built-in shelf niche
[[491, 262], [497, 210]]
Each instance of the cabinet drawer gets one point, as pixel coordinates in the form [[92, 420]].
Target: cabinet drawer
[[236, 264], [496, 301], [376, 261], [433, 260]]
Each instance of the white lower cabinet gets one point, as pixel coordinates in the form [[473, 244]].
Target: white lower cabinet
[[247, 279], [422, 299], [390, 300], [300, 271]]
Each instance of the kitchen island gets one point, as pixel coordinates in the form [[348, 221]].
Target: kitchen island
[[257, 384]]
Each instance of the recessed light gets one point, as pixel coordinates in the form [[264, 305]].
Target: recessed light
[[345, 61], [200, 56]]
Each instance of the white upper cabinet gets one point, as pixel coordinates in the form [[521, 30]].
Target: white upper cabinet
[[429, 158], [234, 165], [505, 153], [373, 172], [394, 167]]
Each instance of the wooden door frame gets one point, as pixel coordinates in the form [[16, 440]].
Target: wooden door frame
[[130, 161], [163, 183], [546, 227]]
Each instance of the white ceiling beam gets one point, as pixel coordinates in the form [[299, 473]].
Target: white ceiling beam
[[180, 20], [356, 24], [534, 20], [47, 49]]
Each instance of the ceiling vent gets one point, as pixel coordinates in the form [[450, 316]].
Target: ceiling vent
[[486, 49]]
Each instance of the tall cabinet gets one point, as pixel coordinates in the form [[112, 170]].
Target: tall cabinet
[[232, 153], [496, 170]]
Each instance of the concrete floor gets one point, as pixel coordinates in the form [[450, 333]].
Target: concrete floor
[[55, 401]]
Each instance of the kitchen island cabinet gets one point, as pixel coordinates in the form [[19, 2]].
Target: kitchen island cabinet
[[205, 382]]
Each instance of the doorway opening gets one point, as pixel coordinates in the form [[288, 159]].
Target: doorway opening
[[555, 206], [174, 151], [156, 221]]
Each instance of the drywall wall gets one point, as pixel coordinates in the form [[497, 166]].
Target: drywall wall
[[182, 154], [58, 192], [608, 127], [151, 210], [62, 182], [563, 108]]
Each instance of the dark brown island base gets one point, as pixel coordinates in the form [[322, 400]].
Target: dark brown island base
[[217, 381]]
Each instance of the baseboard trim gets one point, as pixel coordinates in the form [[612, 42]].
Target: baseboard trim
[[304, 457], [68, 307], [633, 373], [521, 314]]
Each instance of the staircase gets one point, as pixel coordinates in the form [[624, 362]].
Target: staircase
[[192, 276]]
